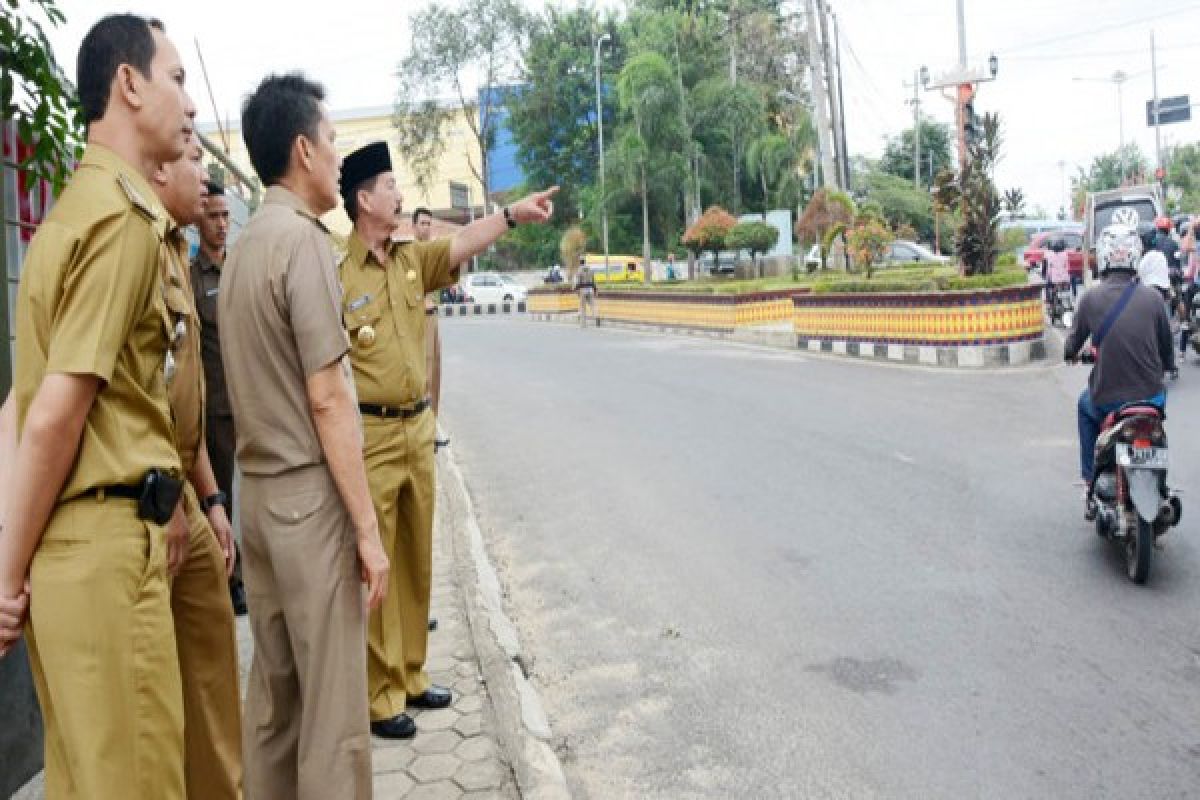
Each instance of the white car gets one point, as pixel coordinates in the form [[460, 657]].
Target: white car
[[903, 250], [489, 287]]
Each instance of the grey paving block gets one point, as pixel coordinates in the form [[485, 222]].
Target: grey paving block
[[436, 767]]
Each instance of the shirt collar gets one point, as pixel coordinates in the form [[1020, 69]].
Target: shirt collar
[[361, 255], [282, 196], [102, 158], [205, 263]]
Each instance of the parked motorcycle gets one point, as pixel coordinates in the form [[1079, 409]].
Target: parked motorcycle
[[1130, 499]]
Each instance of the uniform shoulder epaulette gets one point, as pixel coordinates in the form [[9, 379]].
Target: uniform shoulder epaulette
[[135, 197]]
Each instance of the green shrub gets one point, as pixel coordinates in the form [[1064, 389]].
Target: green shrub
[[1006, 261], [995, 280]]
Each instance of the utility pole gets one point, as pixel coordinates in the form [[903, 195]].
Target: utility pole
[[601, 39], [834, 96], [820, 101], [837, 58], [916, 104], [737, 179], [1158, 159]]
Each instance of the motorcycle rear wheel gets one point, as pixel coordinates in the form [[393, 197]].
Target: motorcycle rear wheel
[[1138, 549]]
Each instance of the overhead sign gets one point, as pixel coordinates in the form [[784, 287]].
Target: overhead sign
[[1170, 109], [460, 195]]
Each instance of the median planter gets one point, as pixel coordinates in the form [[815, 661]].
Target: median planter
[[972, 328], [552, 300], [708, 312]]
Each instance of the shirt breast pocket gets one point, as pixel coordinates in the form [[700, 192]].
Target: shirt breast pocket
[[362, 321]]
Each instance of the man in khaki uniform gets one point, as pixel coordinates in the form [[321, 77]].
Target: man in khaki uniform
[[95, 435], [204, 632], [219, 432], [308, 529], [384, 283]]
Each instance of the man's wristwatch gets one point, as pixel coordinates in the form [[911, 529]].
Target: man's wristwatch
[[214, 499], [508, 217]]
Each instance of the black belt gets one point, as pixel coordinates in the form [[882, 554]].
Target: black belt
[[392, 412], [128, 492]]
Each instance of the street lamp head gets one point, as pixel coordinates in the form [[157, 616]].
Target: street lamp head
[[993, 64], [924, 76], [602, 38]]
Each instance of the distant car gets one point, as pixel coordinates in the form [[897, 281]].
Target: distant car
[[1035, 253], [488, 287], [554, 275], [902, 251]]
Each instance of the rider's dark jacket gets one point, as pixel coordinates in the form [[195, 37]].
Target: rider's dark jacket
[[1138, 348]]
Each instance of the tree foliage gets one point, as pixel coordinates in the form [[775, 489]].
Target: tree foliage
[[35, 93], [1014, 202], [867, 240], [571, 246], [752, 236], [453, 49], [827, 211], [975, 240], [709, 232], [936, 152]]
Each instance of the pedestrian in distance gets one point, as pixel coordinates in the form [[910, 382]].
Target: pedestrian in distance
[[384, 283], [204, 627], [585, 287], [309, 531], [97, 475]]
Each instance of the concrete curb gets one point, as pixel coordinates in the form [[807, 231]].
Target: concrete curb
[[522, 728], [450, 310], [1015, 354]]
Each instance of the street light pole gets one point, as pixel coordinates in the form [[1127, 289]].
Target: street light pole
[[604, 37]]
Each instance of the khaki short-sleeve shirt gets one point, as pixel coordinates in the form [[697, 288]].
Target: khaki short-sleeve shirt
[[384, 310], [91, 303], [186, 390], [280, 309]]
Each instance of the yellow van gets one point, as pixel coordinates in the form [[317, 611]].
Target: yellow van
[[621, 269]]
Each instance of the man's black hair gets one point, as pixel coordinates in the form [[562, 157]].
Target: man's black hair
[[115, 40], [420, 211], [282, 108], [214, 189]]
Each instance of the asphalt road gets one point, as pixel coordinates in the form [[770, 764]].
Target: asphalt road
[[752, 573]]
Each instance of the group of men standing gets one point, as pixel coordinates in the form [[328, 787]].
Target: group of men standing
[[115, 470]]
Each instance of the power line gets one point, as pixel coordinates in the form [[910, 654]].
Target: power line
[[1101, 29]]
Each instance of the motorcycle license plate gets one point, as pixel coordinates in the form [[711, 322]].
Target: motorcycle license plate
[[1144, 457]]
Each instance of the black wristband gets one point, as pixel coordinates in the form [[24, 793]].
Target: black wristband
[[508, 217], [214, 499]]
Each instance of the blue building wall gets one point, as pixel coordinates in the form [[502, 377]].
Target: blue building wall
[[504, 173]]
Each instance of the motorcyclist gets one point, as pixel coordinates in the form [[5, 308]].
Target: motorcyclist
[[1165, 243], [1135, 348], [1153, 272]]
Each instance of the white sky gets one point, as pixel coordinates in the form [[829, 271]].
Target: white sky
[[353, 46]]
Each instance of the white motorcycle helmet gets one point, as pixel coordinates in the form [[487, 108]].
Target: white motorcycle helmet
[[1118, 247], [1153, 271]]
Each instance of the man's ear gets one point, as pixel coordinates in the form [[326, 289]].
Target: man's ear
[[363, 198], [127, 87], [303, 151]]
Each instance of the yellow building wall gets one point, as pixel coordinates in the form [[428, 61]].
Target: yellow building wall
[[359, 127]]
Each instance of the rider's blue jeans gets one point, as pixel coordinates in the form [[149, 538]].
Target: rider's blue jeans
[[1091, 418]]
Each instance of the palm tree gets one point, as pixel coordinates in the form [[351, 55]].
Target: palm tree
[[646, 92]]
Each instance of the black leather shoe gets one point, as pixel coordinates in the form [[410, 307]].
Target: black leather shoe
[[400, 726], [433, 697], [237, 595]]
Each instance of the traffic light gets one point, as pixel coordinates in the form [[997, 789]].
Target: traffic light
[[972, 125]]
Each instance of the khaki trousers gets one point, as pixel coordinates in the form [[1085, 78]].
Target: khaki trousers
[[102, 650], [306, 727], [587, 301], [433, 361], [207, 644], [399, 456]]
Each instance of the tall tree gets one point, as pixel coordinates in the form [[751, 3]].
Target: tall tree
[[35, 93], [650, 138], [457, 52], [935, 152], [553, 120]]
